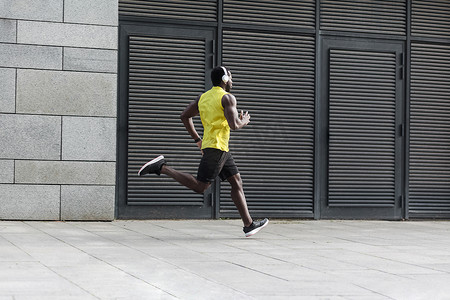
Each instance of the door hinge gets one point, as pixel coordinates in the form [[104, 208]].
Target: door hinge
[[402, 130], [213, 53], [400, 57], [400, 64]]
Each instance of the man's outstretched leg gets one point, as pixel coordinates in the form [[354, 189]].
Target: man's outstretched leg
[[158, 166], [186, 179]]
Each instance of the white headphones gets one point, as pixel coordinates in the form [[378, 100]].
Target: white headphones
[[225, 77]]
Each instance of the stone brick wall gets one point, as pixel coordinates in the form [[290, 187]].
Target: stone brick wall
[[58, 108]]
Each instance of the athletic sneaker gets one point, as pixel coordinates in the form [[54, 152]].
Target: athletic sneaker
[[255, 227], [154, 166]]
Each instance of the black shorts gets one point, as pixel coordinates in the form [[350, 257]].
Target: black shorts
[[215, 163]]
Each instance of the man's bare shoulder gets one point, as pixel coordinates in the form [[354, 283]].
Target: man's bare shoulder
[[228, 100]]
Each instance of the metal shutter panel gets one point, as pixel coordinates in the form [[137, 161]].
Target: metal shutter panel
[[274, 13], [429, 162], [273, 78], [362, 128], [199, 10], [165, 74], [430, 18], [364, 16]]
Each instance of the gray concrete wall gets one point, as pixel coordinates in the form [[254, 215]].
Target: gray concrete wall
[[58, 100]]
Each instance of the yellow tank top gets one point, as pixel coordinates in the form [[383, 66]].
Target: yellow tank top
[[216, 129]]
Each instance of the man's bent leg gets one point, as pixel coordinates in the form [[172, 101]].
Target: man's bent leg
[[238, 196], [186, 179]]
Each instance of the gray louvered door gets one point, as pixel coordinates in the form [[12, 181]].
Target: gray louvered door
[[364, 136], [168, 68], [273, 78]]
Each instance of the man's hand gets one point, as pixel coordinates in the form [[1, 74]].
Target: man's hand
[[245, 118]]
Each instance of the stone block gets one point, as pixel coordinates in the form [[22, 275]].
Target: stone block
[[7, 90], [64, 34], [65, 172], [30, 56], [66, 93], [101, 12], [30, 137], [92, 60], [8, 30], [88, 138], [87, 202], [6, 171], [42, 10], [29, 202]]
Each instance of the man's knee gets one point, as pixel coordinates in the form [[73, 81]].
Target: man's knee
[[201, 187]]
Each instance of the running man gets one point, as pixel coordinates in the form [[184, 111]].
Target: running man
[[218, 113]]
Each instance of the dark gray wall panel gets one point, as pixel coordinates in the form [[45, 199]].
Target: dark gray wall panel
[[300, 14], [199, 10], [273, 78], [429, 165], [430, 18], [364, 16], [275, 153]]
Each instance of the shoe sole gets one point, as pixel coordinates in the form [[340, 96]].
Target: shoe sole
[[150, 162], [250, 233]]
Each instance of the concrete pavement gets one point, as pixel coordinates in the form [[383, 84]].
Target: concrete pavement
[[213, 260]]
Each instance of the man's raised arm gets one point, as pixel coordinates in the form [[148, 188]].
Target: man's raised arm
[[231, 114]]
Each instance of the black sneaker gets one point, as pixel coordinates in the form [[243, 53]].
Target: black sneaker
[[255, 227], [154, 166]]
